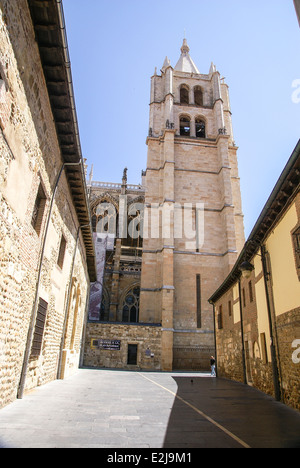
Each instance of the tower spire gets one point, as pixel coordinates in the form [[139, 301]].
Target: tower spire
[[185, 63], [185, 48]]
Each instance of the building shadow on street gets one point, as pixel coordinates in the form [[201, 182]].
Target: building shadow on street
[[204, 405]]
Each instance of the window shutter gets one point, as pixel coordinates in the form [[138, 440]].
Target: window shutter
[[39, 328]]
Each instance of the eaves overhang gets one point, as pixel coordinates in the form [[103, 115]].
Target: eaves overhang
[[285, 190], [50, 32]]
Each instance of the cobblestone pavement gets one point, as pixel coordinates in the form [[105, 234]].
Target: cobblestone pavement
[[119, 409]]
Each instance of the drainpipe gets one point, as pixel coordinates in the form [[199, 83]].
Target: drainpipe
[[37, 289], [215, 337], [68, 301], [242, 334], [83, 336], [275, 372]]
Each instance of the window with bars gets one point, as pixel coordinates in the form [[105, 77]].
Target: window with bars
[[39, 329]]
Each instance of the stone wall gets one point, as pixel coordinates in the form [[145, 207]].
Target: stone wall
[[146, 337], [29, 156]]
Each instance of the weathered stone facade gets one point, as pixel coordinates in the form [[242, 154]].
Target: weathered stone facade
[[258, 315], [191, 164], [114, 312], [145, 337], [44, 276]]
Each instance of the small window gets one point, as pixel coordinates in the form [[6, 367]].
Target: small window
[[184, 95], [198, 96], [132, 354], [250, 291], [185, 126], [296, 242], [244, 297], [39, 329], [200, 128], [62, 251], [39, 210], [229, 308], [198, 292], [220, 318], [263, 348]]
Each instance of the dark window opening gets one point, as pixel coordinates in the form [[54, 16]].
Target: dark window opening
[[229, 308], [198, 287], [39, 329], [132, 354], [38, 210], [220, 318], [198, 96], [200, 128], [250, 291], [264, 354], [62, 251], [185, 126], [184, 95], [244, 297]]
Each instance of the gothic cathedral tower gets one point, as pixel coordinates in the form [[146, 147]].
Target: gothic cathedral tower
[[192, 183]]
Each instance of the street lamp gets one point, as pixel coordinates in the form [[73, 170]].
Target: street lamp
[[246, 268]]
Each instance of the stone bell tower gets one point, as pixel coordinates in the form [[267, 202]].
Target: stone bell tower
[[193, 227]]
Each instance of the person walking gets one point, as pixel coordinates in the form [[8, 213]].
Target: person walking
[[213, 366]]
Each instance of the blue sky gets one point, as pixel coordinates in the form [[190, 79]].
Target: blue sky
[[115, 45]]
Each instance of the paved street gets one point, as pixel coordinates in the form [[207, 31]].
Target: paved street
[[119, 409]]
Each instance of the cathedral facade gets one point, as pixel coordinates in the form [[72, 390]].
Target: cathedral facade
[[176, 236]]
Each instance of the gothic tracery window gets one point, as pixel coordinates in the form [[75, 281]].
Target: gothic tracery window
[[131, 305]]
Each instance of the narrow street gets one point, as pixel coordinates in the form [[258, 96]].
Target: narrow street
[[119, 409]]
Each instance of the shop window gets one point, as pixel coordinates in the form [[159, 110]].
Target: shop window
[[39, 210], [185, 126], [200, 128]]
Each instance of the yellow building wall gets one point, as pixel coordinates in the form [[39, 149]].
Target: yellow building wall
[[286, 285]]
